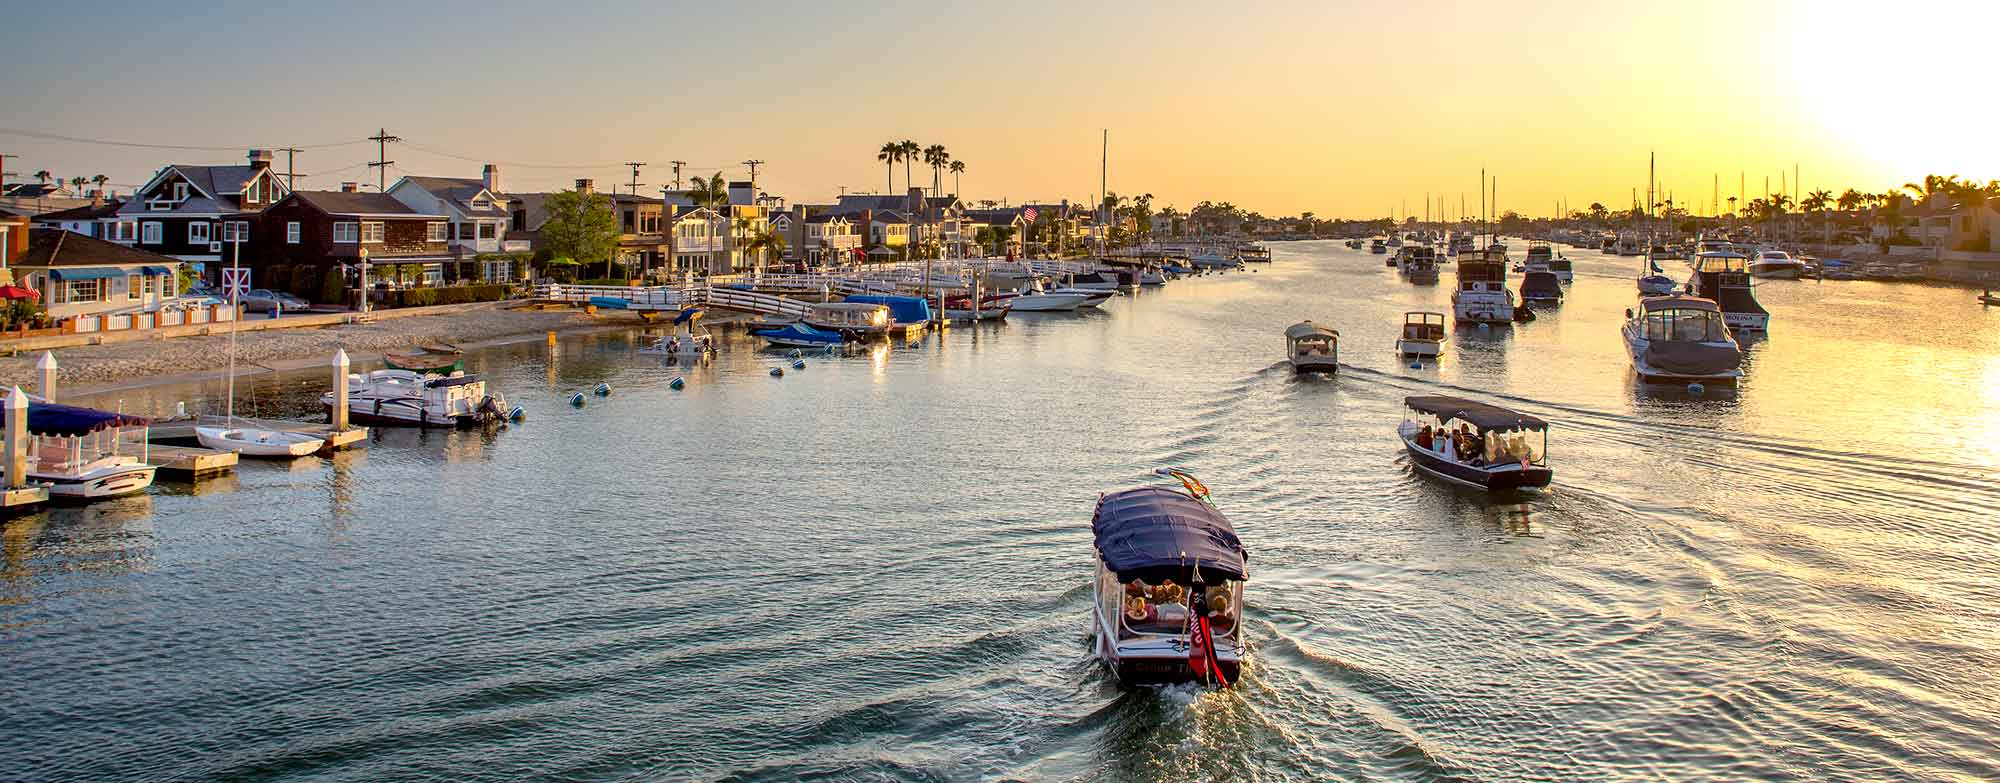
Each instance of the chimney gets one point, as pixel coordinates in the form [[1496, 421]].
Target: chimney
[[260, 159], [586, 186], [350, 187], [490, 177]]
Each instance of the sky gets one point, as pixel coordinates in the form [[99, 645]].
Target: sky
[[1343, 109]]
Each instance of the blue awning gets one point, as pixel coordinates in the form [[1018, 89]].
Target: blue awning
[[87, 273], [1153, 534], [48, 418], [158, 271]]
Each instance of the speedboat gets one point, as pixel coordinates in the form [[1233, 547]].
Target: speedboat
[[992, 307], [1312, 348], [257, 441], [80, 452], [1775, 265], [1482, 296], [1541, 286], [1508, 449], [1168, 597], [1722, 278], [798, 335], [683, 345], [1093, 297], [406, 398], [1681, 339], [1378, 246], [1354, 244], [1035, 300], [1214, 261], [1099, 281], [1423, 334]]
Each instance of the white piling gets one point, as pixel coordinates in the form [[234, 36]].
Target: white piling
[[46, 366], [16, 439], [338, 416]]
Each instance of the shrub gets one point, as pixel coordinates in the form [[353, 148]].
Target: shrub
[[333, 289], [306, 282], [278, 277]]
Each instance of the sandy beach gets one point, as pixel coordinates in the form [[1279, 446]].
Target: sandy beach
[[100, 367]]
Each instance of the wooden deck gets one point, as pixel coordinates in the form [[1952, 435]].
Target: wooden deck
[[189, 461], [12, 499], [182, 431]]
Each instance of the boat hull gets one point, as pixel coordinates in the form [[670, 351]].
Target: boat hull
[[98, 484], [1419, 347], [271, 444], [391, 414], [1315, 364], [1501, 478]]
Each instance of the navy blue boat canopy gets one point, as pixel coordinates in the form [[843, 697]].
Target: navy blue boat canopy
[[902, 309], [1154, 533], [51, 419]]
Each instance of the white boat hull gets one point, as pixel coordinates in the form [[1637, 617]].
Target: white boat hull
[[1048, 303], [252, 442], [1408, 347], [98, 483]]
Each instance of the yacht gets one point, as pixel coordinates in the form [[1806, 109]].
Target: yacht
[[1482, 295], [1512, 447], [1723, 278], [1565, 271], [85, 453], [1629, 246], [1167, 602], [1423, 334], [1541, 286], [1539, 255], [799, 335], [1776, 265], [1420, 263], [850, 320], [1312, 348], [404, 397], [1035, 300], [1378, 246], [1681, 339]]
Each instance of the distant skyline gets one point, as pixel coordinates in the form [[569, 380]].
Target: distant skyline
[[1343, 109]]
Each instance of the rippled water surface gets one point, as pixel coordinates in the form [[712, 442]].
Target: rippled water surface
[[879, 567]]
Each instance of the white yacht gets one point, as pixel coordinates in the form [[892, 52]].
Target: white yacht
[[1776, 265], [403, 397], [1423, 334], [1482, 296], [1035, 300], [1681, 339]]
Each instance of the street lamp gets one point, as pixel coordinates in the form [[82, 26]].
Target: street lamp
[[364, 281]]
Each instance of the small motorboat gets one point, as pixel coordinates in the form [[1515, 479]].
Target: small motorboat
[[1776, 265], [1378, 246], [257, 441], [1506, 449], [1423, 334], [1312, 348], [682, 345], [1541, 286], [991, 308], [409, 398], [1168, 605], [80, 453], [1035, 300], [1681, 339], [798, 335]]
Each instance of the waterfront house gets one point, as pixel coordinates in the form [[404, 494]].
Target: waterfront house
[[815, 236], [642, 227], [13, 226], [98, 219], [190, 212], [484, 220], [697, 240], [311, 232], [81, 276]]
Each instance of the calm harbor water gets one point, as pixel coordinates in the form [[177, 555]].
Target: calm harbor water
[[879, 567]]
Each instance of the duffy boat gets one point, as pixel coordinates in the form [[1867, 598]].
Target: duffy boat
[[1168, 602], [1509, 449]]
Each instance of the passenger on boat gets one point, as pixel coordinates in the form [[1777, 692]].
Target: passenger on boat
[[1424, 437], [1218, 612]]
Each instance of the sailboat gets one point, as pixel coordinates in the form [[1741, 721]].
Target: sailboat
[[1653, 281], [249, 441]]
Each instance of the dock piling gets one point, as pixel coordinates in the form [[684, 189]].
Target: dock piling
[[16, 438], [46, 367], [337, 417]]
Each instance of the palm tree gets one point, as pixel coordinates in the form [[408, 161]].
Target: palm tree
[[957, 168], [889, 154], [1933, 185], [765, 245], [711, 192], [99, 181], [43, 176], [910, 150], [76, 183], [936, 157], [1852, 200]]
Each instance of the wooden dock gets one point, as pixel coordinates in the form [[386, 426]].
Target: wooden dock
[[182, 431], [16, 499], [190, 462]]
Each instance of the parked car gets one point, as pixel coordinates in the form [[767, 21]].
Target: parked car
[[260, 300]]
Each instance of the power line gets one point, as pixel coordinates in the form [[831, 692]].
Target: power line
[[382, 161], [144, 145]]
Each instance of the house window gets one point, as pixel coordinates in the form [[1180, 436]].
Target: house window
[[198, 233], [180, 191], [371, 232], [135, 286], [630, 218], [291, 232], [465, 231], [236, 231], [347, 233], [123, 230], [79, 291], [149, 233], [488, 230], [435, 232]]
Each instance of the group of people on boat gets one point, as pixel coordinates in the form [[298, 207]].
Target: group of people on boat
[[1167, 604], [1462, 445]]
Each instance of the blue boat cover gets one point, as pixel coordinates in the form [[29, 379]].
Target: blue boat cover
[[610, 302], [48, 418], [687, 314], [802, 332], [1154, 533], [902, 309]]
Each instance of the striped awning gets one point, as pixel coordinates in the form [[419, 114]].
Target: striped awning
[[86, 273]]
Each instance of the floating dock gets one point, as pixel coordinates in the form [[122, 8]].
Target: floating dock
[[190, 462], [181, 431], [23, 497]]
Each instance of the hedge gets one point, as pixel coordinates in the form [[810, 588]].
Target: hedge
[[458, 294]]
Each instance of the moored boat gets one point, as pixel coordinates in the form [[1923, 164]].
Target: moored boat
[[1168, 597], [850, 320], [1035, 300], [1423, 334], [258, 442], [1776, 265], [1722, 277], [1482, 296], [1475, 444], [1312, 348], [1681, 339], [412, 399], [81, 453], [799, 335]]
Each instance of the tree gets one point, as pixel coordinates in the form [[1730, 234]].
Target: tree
[[99, 181], [1853, 200], [1598, 212], [766, 244], [957, 168], [936, 157], [910, 150], [1933, 185], [711, 192], [76, 183], [580, 226], [890, 153], [43, 176]]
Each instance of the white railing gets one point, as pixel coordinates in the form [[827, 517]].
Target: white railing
[[635, 297], [738, 299]]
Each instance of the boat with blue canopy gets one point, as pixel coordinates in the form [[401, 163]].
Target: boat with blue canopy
[[86, 453], [799, 335], [1169, 588]]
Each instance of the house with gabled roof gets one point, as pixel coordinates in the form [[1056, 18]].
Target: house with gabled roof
[[191, 212], [80, 276], [480, 213], [312, 232], [99, 220]]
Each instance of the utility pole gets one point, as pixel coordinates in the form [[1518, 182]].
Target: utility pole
[[3, 167], [677, 172], [635, 175], [382, 162], [290, 158]]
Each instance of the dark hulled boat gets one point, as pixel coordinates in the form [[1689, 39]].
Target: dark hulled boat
[[1512, 446]]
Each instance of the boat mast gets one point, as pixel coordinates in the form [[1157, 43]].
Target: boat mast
[[235, 315]]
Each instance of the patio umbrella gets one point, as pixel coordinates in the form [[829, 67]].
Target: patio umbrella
[[17, 292]]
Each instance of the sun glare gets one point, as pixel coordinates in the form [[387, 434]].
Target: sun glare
[[1918, 104]]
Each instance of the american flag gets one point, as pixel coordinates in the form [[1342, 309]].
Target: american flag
[[1030, 214]]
